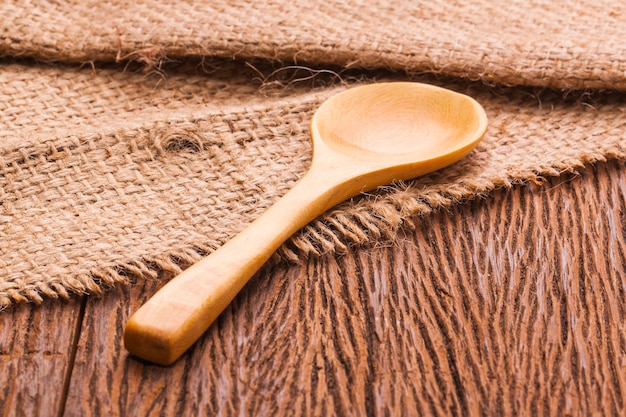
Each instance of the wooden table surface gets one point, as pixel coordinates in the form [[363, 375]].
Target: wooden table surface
[[511, 304]]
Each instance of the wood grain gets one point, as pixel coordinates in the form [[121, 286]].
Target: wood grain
[[36, 347], [508, 305]]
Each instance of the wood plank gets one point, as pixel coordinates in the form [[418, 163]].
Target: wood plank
[[35, 356], [508, 305]]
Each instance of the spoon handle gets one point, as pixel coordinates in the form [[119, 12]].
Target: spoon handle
[[180, 312]]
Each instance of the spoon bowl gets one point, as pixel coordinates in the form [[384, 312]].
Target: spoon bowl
[[363, 138], [402, 121], [394, 131]]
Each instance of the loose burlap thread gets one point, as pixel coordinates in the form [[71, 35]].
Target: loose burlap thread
[[108, 173]]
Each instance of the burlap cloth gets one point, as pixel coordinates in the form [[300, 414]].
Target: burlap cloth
[[138, 136]]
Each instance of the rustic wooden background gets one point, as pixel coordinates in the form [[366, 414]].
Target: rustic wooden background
[[512, 304]]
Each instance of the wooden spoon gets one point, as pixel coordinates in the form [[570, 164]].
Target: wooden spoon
[[363, 137]]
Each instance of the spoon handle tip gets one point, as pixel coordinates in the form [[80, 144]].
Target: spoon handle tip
[[180, 312]]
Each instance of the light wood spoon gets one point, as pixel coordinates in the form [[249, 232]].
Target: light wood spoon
[[363, 137]]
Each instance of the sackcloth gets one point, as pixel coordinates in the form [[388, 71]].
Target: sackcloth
[[139, 136]]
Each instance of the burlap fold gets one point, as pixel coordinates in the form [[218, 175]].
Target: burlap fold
[[563, 43], [108, 173]]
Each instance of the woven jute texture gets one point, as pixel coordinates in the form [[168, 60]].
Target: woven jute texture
[[139, 136]]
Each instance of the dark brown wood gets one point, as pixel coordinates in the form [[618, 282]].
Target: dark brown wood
[[36, 353], [512, 304]]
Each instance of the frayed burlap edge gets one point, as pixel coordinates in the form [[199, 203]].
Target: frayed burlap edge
[[372, 219], [588, 132]]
